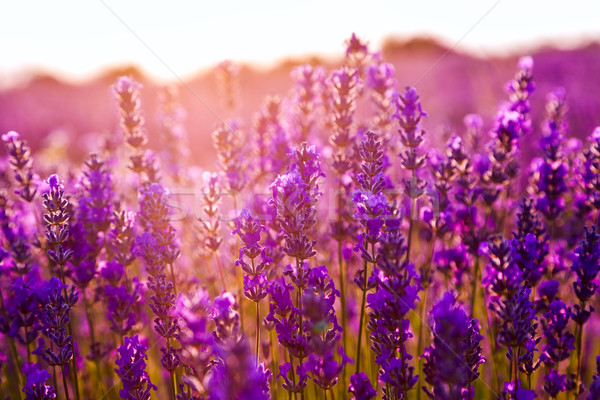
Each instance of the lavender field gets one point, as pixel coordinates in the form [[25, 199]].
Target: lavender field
[[333, 243]]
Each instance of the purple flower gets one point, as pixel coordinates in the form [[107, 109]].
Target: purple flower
[[56, 219], [56, 318], [127, 94], [455, 355], [554, 383], [360, 387], [559, 341], [249, 231], [119, 304], [289, 384], [520, 90], [549, 176], [22, 164], [530, 244], [226, 319], [228, 140], [132, 370], [595, 385], [235, 375], [307, 89], [586, 265], [324, 370], [35, 386], [345, 86], [514, 391], [255, 286]]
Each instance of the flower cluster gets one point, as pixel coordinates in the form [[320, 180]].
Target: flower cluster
[[476, 265]]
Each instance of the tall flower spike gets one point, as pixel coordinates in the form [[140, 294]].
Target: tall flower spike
[[361, 387], [307, 84], [382, 83], [229, 87], [228, 141], [235, 375], [35, 386], [56, 219], [132, 370], [595, 386], [590, 174], [409, 114], [357, 53], [550, 173], [452, 362], [345, 85], [530, 244], [127, 94], [520, 90], [174, 136], [21, 162]]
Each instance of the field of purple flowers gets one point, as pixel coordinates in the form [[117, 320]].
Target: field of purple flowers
[[337, 250]]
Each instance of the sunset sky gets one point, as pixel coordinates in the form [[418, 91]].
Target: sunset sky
[[77, 38]]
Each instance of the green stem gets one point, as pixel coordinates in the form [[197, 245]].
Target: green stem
[[579, 351], [342, 274], [410, 228], [173, 278], [257, 331], [293, 375], [332, 394], [74, 374], [220, 269], [420, 344], [474, 285], [362, 317], [275, 383], [173, 388], [64, 376]]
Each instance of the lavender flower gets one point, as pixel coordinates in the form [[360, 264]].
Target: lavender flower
[[307, 84], [586, 266], [409, 114], [121, 306], [127, 94], [451, 363], [361, 387], [595, 386], [236, 376], [399, 286], [520, 90], [324, 370], [549, 175], [35, 386], [56, 219], [530, 244], [132, 370], [381, 82], [21, 163], [560, 342], [228, 79], [513, 391], [345, 85], [228, 141]]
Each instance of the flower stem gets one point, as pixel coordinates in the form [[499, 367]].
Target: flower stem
[[257, 331], [173, 389], [275, 384], [64, 376], [579, 350], [362, 317], [420, 343], [220, 269]]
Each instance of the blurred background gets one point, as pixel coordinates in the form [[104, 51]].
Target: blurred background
[[58, 59]]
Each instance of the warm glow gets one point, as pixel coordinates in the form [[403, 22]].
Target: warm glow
[[76, 38]]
